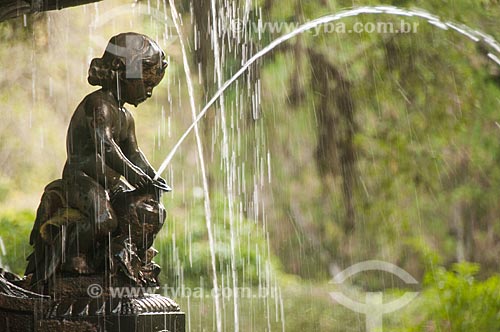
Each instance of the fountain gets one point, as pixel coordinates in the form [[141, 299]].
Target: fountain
[[91, 268], [120, 256]]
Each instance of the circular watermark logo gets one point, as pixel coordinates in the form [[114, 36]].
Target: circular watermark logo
[[94, 291], [236, 25], [137, 10], [374, 307]]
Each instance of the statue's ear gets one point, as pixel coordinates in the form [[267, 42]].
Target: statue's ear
[[117, 64]]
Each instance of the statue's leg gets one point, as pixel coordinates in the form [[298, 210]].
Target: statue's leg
[[87, 192], [90, 237], [89, 197]]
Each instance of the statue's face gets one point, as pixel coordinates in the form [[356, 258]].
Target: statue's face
[[136, 90]]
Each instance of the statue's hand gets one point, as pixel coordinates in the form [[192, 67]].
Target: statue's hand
[[162, 181], [140, 179], [161, 184]]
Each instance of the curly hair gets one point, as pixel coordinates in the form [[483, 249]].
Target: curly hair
[[126, 51]]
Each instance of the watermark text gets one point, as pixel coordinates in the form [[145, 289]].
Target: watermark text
[[401, 26]]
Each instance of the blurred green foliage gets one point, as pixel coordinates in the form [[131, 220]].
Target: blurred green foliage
[[425, 142], [15, 229], [455, 300]]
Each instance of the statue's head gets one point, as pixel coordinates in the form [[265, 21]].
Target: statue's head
[[132, 65]]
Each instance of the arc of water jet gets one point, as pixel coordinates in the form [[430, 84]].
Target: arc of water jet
[[208, 213], [494, 58], [432, 19], [225, 157]]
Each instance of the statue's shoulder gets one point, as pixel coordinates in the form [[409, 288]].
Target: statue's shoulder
[[99, 104], [128, 115]]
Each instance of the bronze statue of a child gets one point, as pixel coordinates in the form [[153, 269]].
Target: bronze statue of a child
[[77, 222]]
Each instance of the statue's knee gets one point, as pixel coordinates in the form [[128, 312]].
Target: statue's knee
[[105, 220]]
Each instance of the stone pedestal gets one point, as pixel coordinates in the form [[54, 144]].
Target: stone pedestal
[[140, 322], [25, 311], [29, 315]]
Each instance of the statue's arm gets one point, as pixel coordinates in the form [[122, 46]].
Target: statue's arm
[[134, 153], [100, 122]]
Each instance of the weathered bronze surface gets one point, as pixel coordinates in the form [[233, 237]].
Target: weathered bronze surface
[[96, 225], [105, 212], [14, 8]]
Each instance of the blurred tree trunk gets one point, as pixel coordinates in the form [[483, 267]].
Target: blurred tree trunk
[[204, 64], [463, 224], [297, 88], [335, 152], [203, 50]]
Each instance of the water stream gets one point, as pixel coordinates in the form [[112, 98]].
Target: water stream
[[470, 33], [230, 174], [208, 212]]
